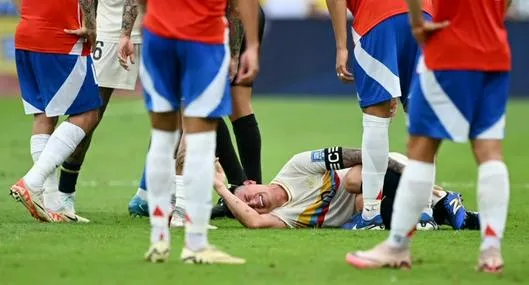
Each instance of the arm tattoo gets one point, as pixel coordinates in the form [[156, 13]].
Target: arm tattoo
[[130, 12], [236, 28], [352, 157], [89, 12]]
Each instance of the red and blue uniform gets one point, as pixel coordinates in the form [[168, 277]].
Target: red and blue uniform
[[385, 51], [462, 89], [54, 69], [185, 57]]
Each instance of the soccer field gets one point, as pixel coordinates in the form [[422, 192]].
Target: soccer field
[[110, 249]]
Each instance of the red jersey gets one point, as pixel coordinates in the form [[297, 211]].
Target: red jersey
[[475, 40], [368, 13], [42, 24], [192, 20]]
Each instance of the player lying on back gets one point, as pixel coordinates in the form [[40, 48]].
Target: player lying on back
[[322, 188]]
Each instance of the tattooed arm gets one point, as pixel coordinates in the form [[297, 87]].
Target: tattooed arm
[[352, 157], [88, 29], [236, 28], [130, 12]]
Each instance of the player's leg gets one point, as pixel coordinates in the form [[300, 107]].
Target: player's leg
[[68, 86], [377, 81], [487, 132], [244, 122], [160, 76], [438, 110], [72, 165], [206, 96]]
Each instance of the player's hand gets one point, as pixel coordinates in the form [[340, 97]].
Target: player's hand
[[234, 66], [220, 176], [126, 51], [89, 34], [341, 66], [423, 31], [249, 65]]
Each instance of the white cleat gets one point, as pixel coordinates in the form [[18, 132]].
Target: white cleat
[[490, 261], [178, 220], [209, 255], [65, 206], [158, 252], [381, 256]]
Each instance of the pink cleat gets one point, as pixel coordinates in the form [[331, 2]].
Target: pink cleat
[[490, 261], [381, 256], [31, 200]]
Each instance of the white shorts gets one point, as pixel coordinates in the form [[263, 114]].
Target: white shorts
[[109, 73]]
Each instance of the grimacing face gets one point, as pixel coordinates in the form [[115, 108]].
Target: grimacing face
[[258, 197]]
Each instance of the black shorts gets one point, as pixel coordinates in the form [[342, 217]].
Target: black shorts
[[262, 23]]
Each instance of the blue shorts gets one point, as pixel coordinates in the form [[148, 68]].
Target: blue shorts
[[57, 84], [385, 61], [175, 72], [458, 105]]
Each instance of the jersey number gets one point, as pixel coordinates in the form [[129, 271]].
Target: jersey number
[[98, 51]]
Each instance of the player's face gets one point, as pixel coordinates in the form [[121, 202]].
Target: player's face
[[257, 197]]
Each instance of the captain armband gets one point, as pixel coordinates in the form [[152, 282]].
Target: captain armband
[[333, 158]]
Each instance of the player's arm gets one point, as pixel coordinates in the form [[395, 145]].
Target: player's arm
[[130, 13], [338, 13], [422, 29], [88, 30], [126, 47], [236, 28], [249, 61], [244, 213], [334, 158]]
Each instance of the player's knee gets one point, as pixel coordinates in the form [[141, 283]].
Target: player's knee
[[422, 148], [353, 180], [86, 121], [486, 150], [382, 110], [43, 124]]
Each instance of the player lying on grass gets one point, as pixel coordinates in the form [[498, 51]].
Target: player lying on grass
[[322, 188]]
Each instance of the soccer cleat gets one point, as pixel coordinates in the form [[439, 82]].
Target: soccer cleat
[[178, 219], [209, 255], [357, 222], [32, 201], [221, 210], [158, 252], [471, 221], [490, 261], [455, 210], [381, 256], [138, 207], [426, 223], [65, 208]]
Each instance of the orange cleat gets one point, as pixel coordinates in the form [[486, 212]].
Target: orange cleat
[[31, 200], [382, 256]]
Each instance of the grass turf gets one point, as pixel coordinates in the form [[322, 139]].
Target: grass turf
[[110, 249]]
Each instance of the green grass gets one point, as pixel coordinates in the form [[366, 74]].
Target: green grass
[[110, 249]]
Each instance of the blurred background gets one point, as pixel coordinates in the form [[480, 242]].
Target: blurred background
[[298, 51]]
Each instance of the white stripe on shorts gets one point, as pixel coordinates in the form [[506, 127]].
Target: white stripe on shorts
[[495, 132], [69, 90], [376, 69], [158, 103], [30, 109], [211, 97], [451, 118]]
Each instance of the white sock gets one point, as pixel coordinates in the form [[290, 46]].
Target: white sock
[[37, 144], [159, 175], [179, 192], [412, 195], [493, 194], [60, 145], [375, 151], [198, 183]]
